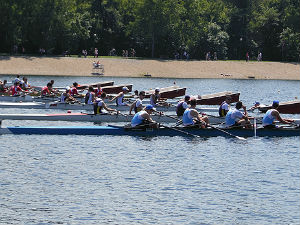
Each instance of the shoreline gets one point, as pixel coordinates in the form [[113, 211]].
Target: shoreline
[[156, 68]]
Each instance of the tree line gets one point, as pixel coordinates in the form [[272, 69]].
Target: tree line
[[154, 28]]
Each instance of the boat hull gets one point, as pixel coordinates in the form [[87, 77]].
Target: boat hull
[[217, 98], [168, 92], [115, 130], [83, 117], [292, 107], [76, 106]]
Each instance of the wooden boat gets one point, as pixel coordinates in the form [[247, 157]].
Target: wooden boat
[[102, 84], [105, 117], [170, 131], [116, 88], [290, 107], [76, 106], [217, 98], [168, 92]]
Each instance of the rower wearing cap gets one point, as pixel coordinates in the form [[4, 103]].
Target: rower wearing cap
[[191, 116], [137, 105], [99, 105], [272, 115], [182, 105], [235, 117], [225, 106], [156, 100], [120, 97], [256, 105], [143, 118]]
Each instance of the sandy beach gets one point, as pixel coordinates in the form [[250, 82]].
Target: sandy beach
[[121, 67]]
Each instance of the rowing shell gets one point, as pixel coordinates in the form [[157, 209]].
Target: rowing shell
[[76, 106], [84, 117], [116, 130]]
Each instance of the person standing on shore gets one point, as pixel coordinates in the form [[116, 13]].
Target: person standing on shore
[[96, 53], [247, 57]]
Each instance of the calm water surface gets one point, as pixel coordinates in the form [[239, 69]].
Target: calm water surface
[[157, 180]]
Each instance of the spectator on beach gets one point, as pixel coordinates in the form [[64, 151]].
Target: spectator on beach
[[176, 55], [112, 52], [133, 52], [247, 57], [215, 56], [96, 53], [207, 57], [259, 57], [15, 49], [84, 53]]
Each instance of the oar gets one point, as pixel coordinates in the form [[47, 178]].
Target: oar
[[180, 131], [172, 117], [232, 135]]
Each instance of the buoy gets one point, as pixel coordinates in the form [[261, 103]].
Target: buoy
[[69, 111]]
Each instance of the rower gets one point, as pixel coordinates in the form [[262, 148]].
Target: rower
[[191, 116], [53, 90], [73, 90], [143, 119], [98, 91], [235, 118], [272, 114], [47, 90], [255, 106], [120, 97], [3, 86], [90, 96], [16, 90], [137, 105], [155, 98], [225, 106], [182, 105], [99, 105], [66, 97], [25, 84]]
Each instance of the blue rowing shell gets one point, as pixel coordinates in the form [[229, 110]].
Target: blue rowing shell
[[116, 130]]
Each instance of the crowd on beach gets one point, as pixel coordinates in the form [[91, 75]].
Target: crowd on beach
[[209, 56]]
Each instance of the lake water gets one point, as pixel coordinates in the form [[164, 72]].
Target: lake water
[[156, 180]]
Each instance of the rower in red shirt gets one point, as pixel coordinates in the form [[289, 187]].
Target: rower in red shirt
[[98, 91], [47, 90], [73, 91], [16, 89]]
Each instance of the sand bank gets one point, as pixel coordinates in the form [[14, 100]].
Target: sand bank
[[71, 66]]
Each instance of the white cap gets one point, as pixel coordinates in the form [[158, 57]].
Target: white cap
[[125, 89], [68, 88], [157, 89]]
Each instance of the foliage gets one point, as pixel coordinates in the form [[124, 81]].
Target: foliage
[[154, 27]]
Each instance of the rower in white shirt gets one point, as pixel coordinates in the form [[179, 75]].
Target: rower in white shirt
[[137, 105]]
